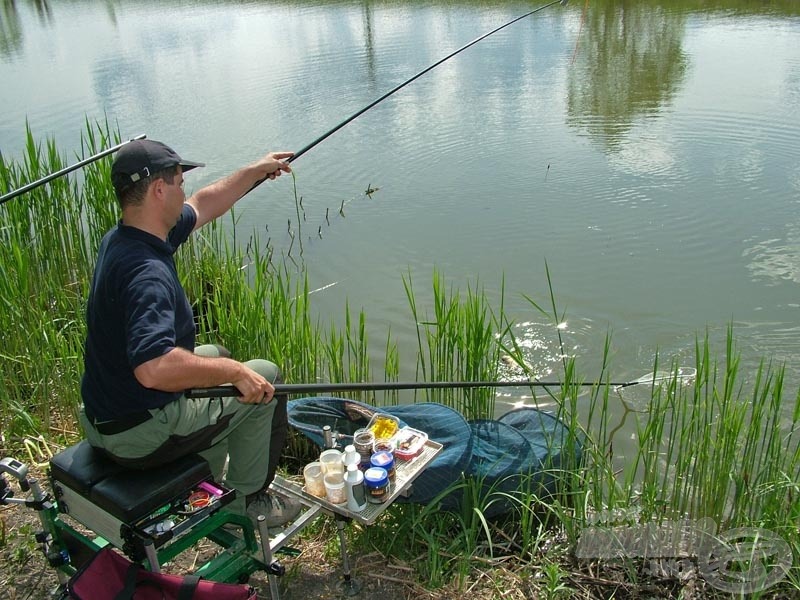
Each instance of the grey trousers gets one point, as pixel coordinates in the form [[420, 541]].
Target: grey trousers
[[215, 428]]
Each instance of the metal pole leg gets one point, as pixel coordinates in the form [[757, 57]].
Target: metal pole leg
[[274, 568], [152, 556], [349, 586]]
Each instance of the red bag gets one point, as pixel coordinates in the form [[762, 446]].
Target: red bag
[[111, 576]]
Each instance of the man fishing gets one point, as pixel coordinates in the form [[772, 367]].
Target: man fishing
[[140, 353]]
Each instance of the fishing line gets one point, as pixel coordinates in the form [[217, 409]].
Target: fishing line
[[303, 150], [580, 29], [639, 402], [357, 114], [681, 374]]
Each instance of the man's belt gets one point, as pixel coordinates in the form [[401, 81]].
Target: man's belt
[[119, 425]]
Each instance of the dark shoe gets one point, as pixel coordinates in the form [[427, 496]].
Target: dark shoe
[[278, 510]]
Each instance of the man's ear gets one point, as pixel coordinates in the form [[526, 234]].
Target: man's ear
[[157, 186]]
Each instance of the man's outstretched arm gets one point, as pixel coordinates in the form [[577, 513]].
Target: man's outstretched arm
[[216, 199]]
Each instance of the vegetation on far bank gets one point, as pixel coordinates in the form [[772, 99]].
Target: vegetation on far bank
[[716, 451]]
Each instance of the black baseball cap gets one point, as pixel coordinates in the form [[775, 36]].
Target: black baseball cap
[[141, 158]]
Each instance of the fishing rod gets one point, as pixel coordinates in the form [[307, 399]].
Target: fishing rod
[[299, 153], [682, 374], [357, 114], [34, 184]]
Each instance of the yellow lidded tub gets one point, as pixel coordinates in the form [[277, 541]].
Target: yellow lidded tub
[[383, 425]]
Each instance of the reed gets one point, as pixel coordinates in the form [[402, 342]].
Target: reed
[[45, 262], [457, 342], [726, 448]]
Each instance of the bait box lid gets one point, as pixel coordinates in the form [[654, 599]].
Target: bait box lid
[[409, 442], [383, 426]]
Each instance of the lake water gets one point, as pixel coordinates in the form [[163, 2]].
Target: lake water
[[647, 153]]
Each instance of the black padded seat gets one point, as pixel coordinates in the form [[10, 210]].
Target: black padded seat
[[80, 467], [127, 494]]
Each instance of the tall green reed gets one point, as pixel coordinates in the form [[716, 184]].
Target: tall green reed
[[708, 450], [457, 342], [48, 242], [45, 261], [724, 448]]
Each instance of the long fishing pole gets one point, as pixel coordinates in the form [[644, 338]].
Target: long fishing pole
[[299, 153], [320, 388], [34, 184], [357, 114]]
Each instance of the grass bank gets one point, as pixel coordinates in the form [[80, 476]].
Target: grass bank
[[718, 454]]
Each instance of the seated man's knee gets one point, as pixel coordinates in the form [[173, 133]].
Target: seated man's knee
[[212, 351], [268, 370]]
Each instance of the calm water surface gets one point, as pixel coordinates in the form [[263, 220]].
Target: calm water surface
[[648, 154]]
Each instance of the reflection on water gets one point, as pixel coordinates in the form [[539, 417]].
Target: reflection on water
[[775, 260], [10, 28], [43, 10], [369, 42], [658, 174], [631, 65]]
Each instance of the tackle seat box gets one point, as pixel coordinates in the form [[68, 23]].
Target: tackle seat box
[[80, 466], [127, 494]]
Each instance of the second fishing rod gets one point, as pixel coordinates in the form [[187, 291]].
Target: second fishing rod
[[682, 375]]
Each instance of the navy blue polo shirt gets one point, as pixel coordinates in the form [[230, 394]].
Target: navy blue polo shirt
[[137, 311]]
